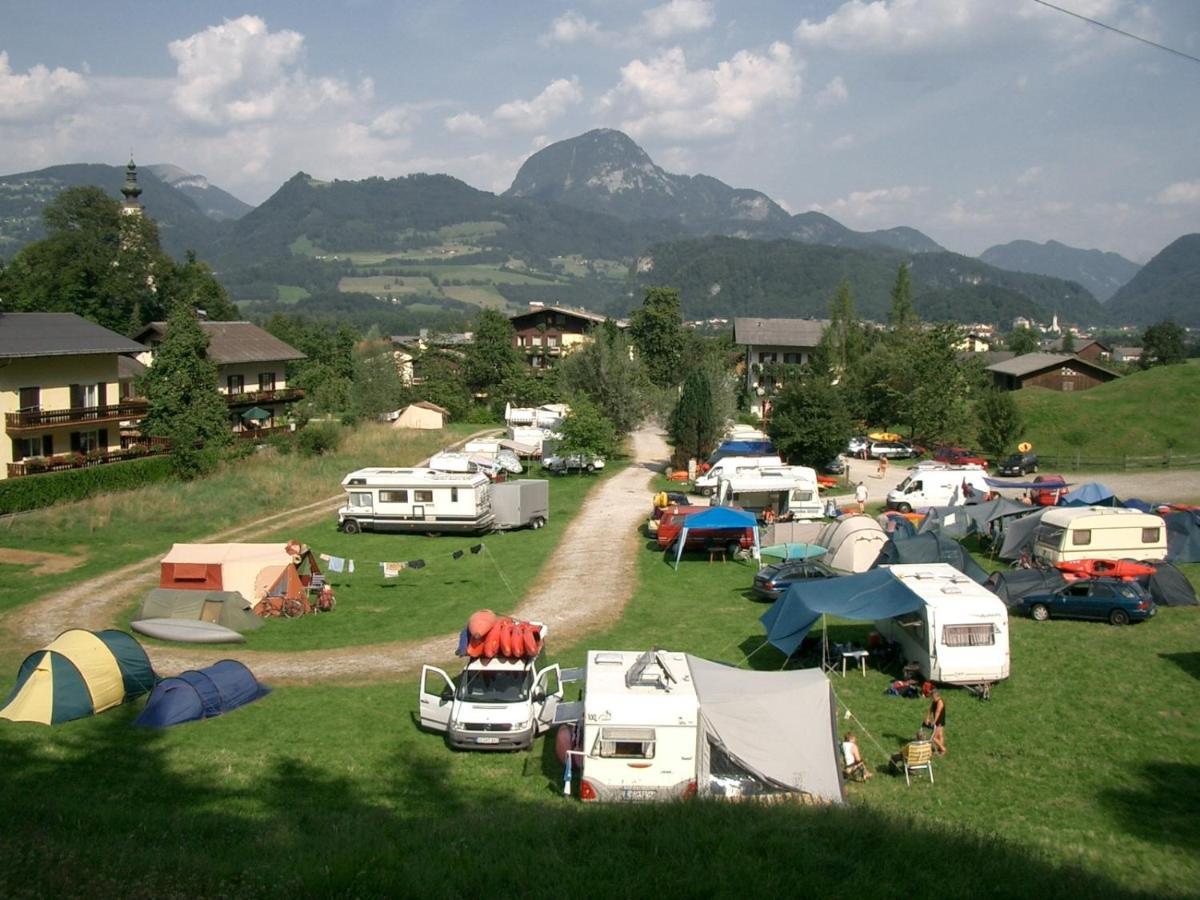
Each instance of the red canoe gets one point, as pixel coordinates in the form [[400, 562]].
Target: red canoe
[[1127, 569]]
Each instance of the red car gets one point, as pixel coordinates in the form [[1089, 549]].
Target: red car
[[671, 524], [1052, 493], [957, 456]]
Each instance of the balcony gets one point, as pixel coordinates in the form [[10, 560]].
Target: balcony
[[40, 465], [41, 419], [258, 398]]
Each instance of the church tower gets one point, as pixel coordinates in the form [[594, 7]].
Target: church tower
[[132, 206]]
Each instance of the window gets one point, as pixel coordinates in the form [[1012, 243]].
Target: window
[[535, 341], [551, 341], [25, 447], [361, 499], [1081, 537], [236, 384], [914, 624], [393, 496], [982, 635], [625, 743], [453, 495], [766, 357], [1150, 535], [791, 358], [85, 396], [89, 440], [422, 496], [266, 381]]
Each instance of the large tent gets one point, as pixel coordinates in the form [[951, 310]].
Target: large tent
[[930, 547], [1183, 536], [854, 543], [877, 594], [717, 518], [201, 694], [81, 673], [1168, 586], [1013, 585], [228, 608], [777, 729], [253, 570], [1093, 493], [960, 521], [1019, 534]]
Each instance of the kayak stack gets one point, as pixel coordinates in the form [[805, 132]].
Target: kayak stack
[[488, 636]]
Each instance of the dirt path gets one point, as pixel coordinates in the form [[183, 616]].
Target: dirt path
[[601, 539]]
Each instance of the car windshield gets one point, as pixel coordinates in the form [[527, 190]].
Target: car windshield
[[501, 686]]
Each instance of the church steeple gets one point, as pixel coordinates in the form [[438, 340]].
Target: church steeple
[[132, 206]]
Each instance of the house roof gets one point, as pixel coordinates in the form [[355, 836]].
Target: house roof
[[28, 334], [1080, 344], [1028, 363], [565, 310], [425, 404], [128, 367], [779, 332], [235, 342]]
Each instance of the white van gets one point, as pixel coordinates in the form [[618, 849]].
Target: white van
[[726, 467], [784, 490], [960, 633], [944, 486], [1099, 532], [494, 704]]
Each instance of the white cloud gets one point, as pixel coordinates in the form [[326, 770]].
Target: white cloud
[[571, 28], [844, 142], [532, 115], [395, 120], [876, 203], [1029, 176], [834, 93], [37, 93], [663, 96], [465, 123], [239, 72], [1181, 193], [679, 17]]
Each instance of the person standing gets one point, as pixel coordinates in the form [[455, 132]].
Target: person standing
[[883, 464], [936, 719], [852, 761], [860, 494]]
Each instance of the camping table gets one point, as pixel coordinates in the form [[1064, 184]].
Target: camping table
[[860, 655]]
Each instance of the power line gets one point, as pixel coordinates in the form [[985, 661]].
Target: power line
[[1119, 31]]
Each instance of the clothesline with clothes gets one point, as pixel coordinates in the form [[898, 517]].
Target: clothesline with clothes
[[342, 565]]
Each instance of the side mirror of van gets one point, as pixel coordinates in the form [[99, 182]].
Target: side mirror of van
[[447, 693], [539, 696]]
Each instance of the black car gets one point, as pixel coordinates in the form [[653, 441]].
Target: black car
[[1106, 599], [773, 580], [835, 466], [1019, 463]]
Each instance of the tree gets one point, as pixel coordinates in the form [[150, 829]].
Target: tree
[[695, 426], [844, 342], [1000, 422], [184, 405], [377, 388], [1163, 344], [442, 383], [586, 430], [902, 314], [605, 372], [935, 401], [1023, 340], [809, 423], [1068, 341], [492, 356], [657, 332]]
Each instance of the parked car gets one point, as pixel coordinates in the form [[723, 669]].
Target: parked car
[[1052, 493], [857, 444], [892, 450], [1019, 464], [771, 581], [836, 466], [1105, 599], [572, 462], [957, 456]]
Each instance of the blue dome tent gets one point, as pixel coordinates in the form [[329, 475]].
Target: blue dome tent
[[201, 694]]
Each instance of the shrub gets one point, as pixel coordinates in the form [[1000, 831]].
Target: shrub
[[316, 440], [283, 442], [20, 494]]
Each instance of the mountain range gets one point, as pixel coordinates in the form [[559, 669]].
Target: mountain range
[[1167, 287], [1101, 273]]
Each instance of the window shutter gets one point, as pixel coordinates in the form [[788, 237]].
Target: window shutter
[[75, 442], [47, 445], [102, 394], [103, 438], [76, 396], [18, 454]]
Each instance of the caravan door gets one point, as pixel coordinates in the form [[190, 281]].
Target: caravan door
[[548, 685], [437, 698]]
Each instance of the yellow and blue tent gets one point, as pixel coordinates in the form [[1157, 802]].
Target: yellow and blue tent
[[80, 674]]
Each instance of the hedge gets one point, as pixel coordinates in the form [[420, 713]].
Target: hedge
[[36, 491]]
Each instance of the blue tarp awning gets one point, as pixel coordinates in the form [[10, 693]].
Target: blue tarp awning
[[716, 517], [1024, 485], [1088, 494], [877, 594], [745, 448]]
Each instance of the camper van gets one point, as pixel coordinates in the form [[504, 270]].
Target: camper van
[[938, 485], [495, 704], [1066, 534], [960, 633], [782, 490], [706, 484], [423, 500]]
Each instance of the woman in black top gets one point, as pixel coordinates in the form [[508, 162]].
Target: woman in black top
[[936, 719]]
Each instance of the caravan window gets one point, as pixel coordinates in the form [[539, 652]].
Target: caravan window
[[422, 496], [625, 743], [393, 496], [983, 635], [1150, 535], [913, 623], [802, 496], [453, 495], [1081, 537], [360, 498], [1050, 535]]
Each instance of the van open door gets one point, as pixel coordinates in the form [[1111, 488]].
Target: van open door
[[437, 698], [548, 685]]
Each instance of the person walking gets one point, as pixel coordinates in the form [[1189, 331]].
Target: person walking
[[860, 494], [883, 464], [936, 719]]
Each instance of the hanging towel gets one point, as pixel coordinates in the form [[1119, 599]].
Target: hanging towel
[[324, 557], [350, 568], [392, 569], [416, 563], [477, 548], [337, 564], [457, 554]]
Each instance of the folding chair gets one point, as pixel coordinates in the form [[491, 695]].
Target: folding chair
[[914, 756], [316, 584]]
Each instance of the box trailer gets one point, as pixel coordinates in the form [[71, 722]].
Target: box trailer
[[959, 635], [420, 500], [517, 504], [1067, 534]]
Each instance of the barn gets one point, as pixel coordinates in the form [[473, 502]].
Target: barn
[[1054, 371]]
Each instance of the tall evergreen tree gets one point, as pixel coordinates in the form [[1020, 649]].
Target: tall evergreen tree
[[844, 343], [1000, 422], [902, 314], [657, 331], [695, 426], [605, 372], [810, 423], [1022, 340], [492, 356], [184, 405]]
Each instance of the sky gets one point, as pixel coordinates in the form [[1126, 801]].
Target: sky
[[976, 121]]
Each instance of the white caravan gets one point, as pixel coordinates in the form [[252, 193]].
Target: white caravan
[[939, 486], [960, 633], [494, 704], [706, 484], [785, 490], [422, 500], [1099, 532]]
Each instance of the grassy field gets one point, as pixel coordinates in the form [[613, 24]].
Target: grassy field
[[395, 285], [290, 293], [485, 296], [1143, 414]]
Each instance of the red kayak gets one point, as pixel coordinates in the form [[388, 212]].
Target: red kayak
[[1126, 569]]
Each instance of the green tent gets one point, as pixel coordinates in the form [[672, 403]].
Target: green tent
[[228, 608]]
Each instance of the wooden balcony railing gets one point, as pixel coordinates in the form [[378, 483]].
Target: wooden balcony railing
[[39, 465], [257, 398], [40, 419]]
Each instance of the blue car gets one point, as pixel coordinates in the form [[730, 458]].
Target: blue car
[[1104, 599]]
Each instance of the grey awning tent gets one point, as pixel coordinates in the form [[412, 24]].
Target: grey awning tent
[[227, 608], [1183, 536], [1091, 494], [1018, 534], [1013, 585], [877, 594], [960, 521], [930, 547], [1168, 586], [718, 517], [776, 728]]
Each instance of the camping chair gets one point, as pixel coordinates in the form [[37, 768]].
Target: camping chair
[[317, 583], [913, 757]]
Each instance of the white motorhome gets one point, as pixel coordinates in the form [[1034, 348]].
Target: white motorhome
[[1099, 532], [784, 490], [939, 486], [960, 633], [494, 704], [422, 500], [725, 467]]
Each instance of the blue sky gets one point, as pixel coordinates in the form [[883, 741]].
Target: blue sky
[[976, 121]]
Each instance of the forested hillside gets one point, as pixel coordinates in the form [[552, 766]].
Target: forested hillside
[[1167, 287]]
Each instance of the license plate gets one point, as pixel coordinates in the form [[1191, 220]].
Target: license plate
[[631, 794], [487, 740]]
